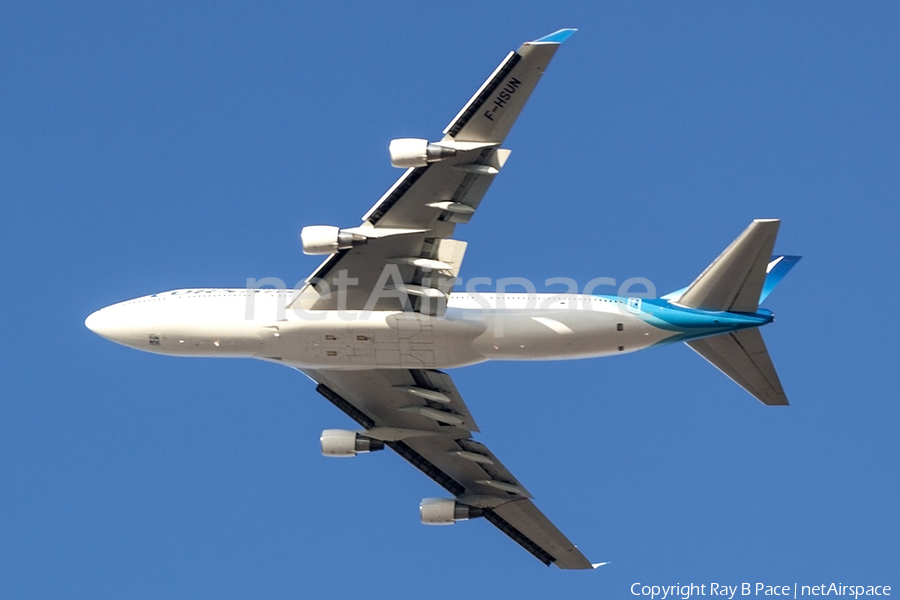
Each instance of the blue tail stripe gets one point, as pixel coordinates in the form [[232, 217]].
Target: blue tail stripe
[[776, 272]]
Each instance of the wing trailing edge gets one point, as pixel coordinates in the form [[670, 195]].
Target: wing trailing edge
[[445, 454], [490, 113]]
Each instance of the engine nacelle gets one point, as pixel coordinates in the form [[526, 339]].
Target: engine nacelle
[[325, 239], [414, 152], [445, 511], [340, 442]]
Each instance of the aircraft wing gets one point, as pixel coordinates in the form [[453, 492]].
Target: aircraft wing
[[420, 415], [403, 250]]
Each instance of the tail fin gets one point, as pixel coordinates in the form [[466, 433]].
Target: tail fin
[[738, 281], [734, 281], [775, 272], [743, 357], [778, 267]]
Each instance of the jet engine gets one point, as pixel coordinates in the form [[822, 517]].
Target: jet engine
[[340, 442], [414, 152], [445, 511], [325, 239]]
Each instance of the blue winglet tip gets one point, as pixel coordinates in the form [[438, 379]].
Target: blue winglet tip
[[557, 37]]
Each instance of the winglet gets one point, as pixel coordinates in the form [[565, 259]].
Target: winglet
[[557, 37], [595, 565]]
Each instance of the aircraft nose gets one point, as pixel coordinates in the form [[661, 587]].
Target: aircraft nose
[[124, 323], [103, 323]]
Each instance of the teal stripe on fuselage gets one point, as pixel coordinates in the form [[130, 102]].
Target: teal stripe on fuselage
[[693, 323]]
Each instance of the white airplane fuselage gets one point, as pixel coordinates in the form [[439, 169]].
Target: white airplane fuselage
[[382, 367], [475, 328]]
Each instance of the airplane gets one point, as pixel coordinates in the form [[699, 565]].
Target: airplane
[[376, 323]]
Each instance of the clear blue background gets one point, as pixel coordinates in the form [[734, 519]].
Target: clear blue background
[[146, 148]]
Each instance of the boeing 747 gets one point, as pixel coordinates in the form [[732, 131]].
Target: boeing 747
[[377, 322]]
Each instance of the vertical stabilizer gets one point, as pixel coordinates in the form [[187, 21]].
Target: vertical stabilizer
[[743, 357], [777, 269], [734, 281]]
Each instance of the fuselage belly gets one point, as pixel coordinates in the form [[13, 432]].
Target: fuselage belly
[[475, 328]]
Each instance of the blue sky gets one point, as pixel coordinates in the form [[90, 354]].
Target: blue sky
[[147, 148]]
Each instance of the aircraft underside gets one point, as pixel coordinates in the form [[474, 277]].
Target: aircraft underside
[[217, 323], [374, 323]]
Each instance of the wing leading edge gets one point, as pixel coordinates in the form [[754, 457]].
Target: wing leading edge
[[388, 404], [408, 230], [408, 253]]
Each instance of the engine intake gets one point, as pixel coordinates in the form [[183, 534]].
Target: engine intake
[[325, 239], [340, 442], [445, 511], [415, 152]]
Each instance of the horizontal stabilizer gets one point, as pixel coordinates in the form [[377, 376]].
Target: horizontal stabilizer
[[743, 357], [734, 281]]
